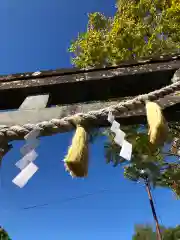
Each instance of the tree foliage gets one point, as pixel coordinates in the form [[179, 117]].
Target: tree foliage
[[159, 162], [146, 232], [4, 235], [140, 28]]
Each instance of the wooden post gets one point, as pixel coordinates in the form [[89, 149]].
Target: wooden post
[[159, 236], [4, 148]]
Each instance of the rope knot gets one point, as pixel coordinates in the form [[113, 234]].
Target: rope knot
[[78, 120]]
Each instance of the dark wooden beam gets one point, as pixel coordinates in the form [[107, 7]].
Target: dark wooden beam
[[90, 85], [73, 70]]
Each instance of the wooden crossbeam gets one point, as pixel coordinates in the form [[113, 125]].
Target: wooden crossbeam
[[92, 85], [170, 104]]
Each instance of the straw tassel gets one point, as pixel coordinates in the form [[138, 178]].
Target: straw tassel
[[76, 161], [158, 129]]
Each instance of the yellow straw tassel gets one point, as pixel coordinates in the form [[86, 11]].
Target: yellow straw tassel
[[76, 161], [158, 129]]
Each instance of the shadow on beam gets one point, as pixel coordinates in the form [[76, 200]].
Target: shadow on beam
[[170, 104]]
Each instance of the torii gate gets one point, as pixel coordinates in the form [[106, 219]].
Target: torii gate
[[90, 95], [83, 93]]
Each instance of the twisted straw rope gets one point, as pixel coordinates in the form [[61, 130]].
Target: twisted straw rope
[[69, 123]]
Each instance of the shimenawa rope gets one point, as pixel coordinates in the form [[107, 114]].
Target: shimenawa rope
[[69, 123]]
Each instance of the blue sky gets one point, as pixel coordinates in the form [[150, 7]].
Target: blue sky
[[35, 35]]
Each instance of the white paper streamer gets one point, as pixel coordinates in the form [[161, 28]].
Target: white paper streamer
[[115, 126], [126, 150], [23, 177], [119, 138], [110, 117], [23, 162], [29, 146], [26, 164], [32, 135]]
